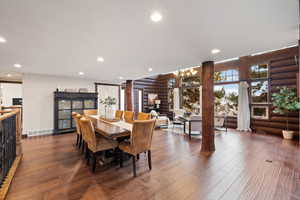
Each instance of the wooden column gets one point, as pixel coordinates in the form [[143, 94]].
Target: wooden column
[[208, 135], [129, 95]]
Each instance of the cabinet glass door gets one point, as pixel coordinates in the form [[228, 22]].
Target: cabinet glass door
[[89, 104], [64, 124], [77, 104], [64, 104]]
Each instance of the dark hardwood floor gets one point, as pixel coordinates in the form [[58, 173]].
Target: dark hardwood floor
[[244, 166]]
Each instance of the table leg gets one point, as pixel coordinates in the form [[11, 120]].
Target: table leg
[[190, 130]]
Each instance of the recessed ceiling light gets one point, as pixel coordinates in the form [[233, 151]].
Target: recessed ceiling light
[[150, 69], [8, 75], [17, 65], [100, 59], [2, 40], [81, 73], [121, 78], [215, 51], [156, 17]]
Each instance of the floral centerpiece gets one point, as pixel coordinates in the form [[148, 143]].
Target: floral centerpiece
[[109, 103]]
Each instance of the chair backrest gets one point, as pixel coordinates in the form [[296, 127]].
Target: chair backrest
[[219, 121], [143, 116], [196, 125], [179, 112], [90, 112], [119, 114], [141, 135], [88, 132], [128, 116], [76, 118]]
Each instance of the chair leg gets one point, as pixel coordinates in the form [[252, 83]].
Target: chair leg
[[86, 151], [94, 162], [134, 166], [77, 139], [82, 147], [121, 159], [80, 141], [88, 157], [149, 159]]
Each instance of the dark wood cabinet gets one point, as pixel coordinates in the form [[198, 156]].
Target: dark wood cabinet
[[67, 102]]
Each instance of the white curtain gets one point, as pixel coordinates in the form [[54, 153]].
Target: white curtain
[[243, 117], [176, 99], [105, 91], [200, 99]]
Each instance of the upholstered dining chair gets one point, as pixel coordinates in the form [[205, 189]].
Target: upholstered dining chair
[[128, 116], [76, 117], [90, 112], [140, 141], [119, 114], [95, 144], [143, 116]]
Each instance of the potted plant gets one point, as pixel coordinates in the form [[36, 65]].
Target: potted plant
[[108, 103], [285, 101]]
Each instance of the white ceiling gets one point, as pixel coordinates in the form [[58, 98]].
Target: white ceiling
[[63, 37]]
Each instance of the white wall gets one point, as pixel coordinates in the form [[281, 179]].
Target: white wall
[[38, 100], [10, 91]]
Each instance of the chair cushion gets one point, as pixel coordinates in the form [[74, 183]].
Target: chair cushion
[[126, 147], [103, 143]]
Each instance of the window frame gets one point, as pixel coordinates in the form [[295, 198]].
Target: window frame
[[260, 117], [231, 81], [260, 104]]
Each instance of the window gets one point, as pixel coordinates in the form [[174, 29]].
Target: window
[[226, 99], [122, 100], [171, 85], [190, 94], [260, 112], [190, 81], [191, 99], [140, 99], [226, 76], [259, 71], [259, 91]]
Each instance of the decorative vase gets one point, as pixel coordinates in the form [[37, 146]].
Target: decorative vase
[[109, 112], [287, 134]]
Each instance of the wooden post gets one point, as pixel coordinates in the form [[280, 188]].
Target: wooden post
[[129, 95], [208, 135]]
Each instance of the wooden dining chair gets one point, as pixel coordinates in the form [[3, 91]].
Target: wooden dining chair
[[128, 116], [90, 112], [143, 116], [95, 144], [76, 117], [140, 141], [119, 114]]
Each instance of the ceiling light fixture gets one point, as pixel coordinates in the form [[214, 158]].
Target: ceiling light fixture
[[2, 40], [81, 73], [121, 78], [100, 59], [215, 51], [8, 75], [156, 17], [17, 65], [150, 69]]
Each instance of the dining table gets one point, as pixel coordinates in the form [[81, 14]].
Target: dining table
[[110, 129]]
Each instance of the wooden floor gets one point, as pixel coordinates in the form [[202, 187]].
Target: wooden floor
[[244, 166]]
